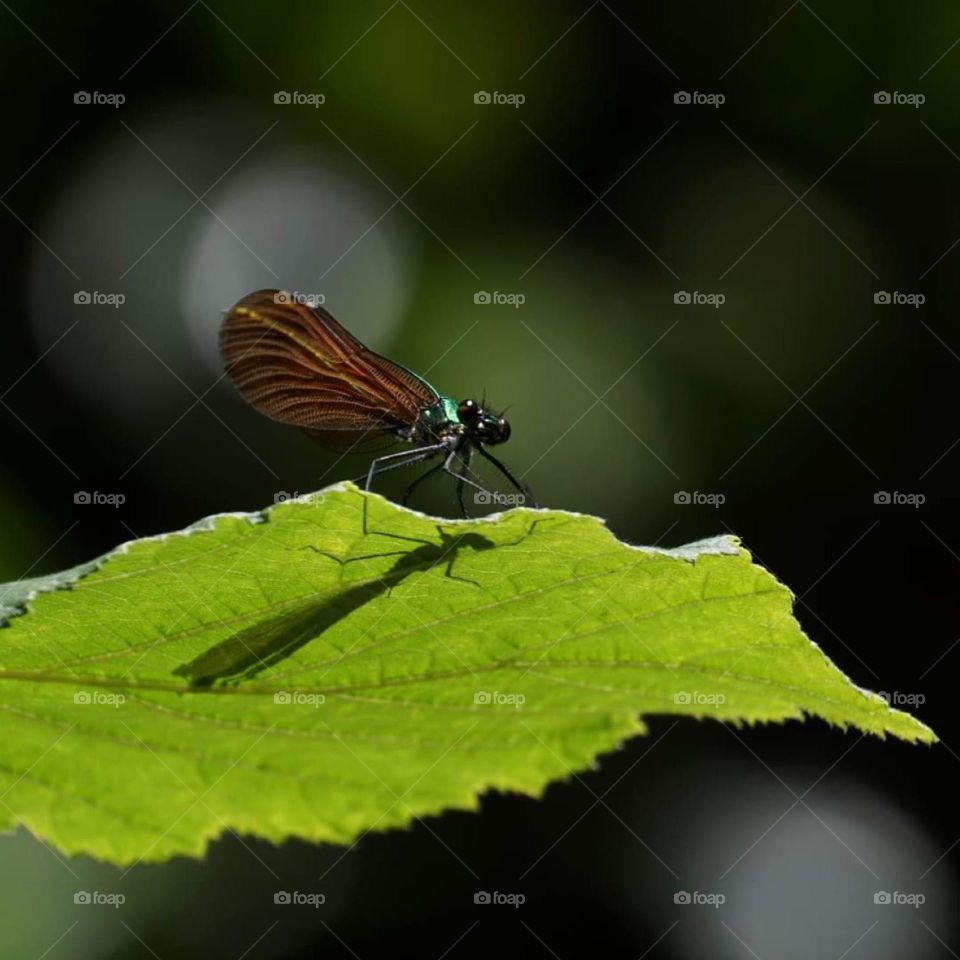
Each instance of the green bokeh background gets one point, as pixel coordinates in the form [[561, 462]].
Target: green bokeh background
[[699, 399]]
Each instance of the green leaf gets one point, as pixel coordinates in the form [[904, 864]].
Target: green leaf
[[337, 664]]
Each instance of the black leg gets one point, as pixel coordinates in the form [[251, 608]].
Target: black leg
[[525, 490], [416, 483], [461, 477], [463, 470]]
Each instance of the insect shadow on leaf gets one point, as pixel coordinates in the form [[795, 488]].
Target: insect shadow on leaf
[[248, 652]]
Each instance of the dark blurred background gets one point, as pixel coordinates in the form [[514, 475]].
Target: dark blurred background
[[820, 199]]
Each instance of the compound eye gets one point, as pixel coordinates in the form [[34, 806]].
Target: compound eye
[[503, 430], [468, 411]]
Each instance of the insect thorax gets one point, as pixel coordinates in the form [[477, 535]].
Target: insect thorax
[[439, 420]]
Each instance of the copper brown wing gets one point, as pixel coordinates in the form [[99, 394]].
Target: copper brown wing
[[294, 362]]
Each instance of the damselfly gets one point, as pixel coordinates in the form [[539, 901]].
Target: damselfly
[[293, 362]]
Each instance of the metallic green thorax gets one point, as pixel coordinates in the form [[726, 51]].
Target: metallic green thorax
[[444, 411]]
